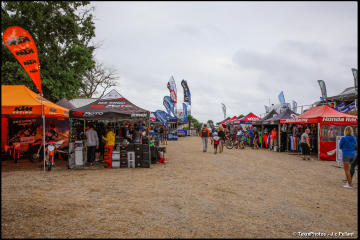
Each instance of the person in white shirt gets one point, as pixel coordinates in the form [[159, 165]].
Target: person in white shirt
[[92, 142]]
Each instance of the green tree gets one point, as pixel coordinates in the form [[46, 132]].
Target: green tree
[[62, 31], [208, 122]]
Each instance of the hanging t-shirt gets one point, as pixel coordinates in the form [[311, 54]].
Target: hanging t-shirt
[[127, 124]]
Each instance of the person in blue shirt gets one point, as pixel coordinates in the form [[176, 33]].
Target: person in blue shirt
[[251, 136], [347, 145], [354, 163]]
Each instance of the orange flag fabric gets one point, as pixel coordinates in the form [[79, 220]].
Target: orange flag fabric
[[22, 45]]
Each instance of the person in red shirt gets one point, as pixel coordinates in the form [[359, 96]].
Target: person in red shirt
[[273, 139]]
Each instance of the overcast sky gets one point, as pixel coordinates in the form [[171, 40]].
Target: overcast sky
[[238, 53]]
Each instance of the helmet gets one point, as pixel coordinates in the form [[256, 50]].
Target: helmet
[[52, 124]]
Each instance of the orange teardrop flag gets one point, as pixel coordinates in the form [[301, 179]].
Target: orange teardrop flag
[[22, 45]]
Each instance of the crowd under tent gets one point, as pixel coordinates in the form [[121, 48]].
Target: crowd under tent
[[330, 124]]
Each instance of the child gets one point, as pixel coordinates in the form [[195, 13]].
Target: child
[[216, 139]]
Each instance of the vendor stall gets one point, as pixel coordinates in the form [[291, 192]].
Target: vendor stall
[[117, 113], [21, 117], [330, 123], [284, 133]]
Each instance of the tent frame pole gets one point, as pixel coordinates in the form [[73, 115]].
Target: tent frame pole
[[319, 141], [43, 117]]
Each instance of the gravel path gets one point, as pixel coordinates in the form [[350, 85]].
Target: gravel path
[[235, 194]]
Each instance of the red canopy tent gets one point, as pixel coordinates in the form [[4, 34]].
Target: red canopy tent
[[224, 123], [247, 119], [324, 115]]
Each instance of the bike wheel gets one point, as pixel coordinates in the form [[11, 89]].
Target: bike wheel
[[229, 145], [50, 163], [32, 155]]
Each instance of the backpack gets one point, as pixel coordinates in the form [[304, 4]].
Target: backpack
[[205, 132]]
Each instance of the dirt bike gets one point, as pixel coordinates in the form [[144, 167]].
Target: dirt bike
[[50, 152], [36, 151]]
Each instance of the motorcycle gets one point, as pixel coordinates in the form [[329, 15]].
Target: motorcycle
[[36, 151], [50, 152]]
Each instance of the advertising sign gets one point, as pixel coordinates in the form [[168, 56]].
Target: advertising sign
[[172, 136], [182, 133], [281, 97], [338, 150], [323, 89], [22, 45], [27, 130]]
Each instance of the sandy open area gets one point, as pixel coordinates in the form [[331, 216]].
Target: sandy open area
[[236, 194]]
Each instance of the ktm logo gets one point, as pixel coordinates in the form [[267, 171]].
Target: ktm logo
[[28, 62], [79, 114], [18, 40], [34, 71], [23, 108], [25, 51]]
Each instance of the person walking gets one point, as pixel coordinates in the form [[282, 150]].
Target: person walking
[[129, 134], [305, 144], [166, 130], [347, 145], [222, 137], [110, 137], [256, 137], [239, 134], [215, 138], [213, 130], [204, 134], [251, 136], [92, 142], [161, 131]]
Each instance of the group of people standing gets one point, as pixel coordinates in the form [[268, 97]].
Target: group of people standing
[[217, 138], [97, 138], [161, 131]]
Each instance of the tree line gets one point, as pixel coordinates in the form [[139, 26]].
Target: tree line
[[62, 32]]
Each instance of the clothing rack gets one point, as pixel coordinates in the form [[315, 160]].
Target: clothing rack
[[292, 152]]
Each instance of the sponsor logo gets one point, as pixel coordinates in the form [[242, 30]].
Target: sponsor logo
[[79, 114], [253, 118], [33, 71], [93, 114], [172, 136], [331, 152], [52, 109], [97, 106], [293, 115], [22, 110], [39, 98], [117, 106], [25, 51], [296, 120], [28, 62], [66, 112], [271, 122], [18, 40], [139, 115], [339, 119], [119, 103]]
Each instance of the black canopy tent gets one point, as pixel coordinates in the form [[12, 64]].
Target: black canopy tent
[[275, 122], [271, 114], [223, 121], [110, 109], [66, 104]]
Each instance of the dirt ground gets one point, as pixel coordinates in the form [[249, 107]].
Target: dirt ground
[[235, 194]]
